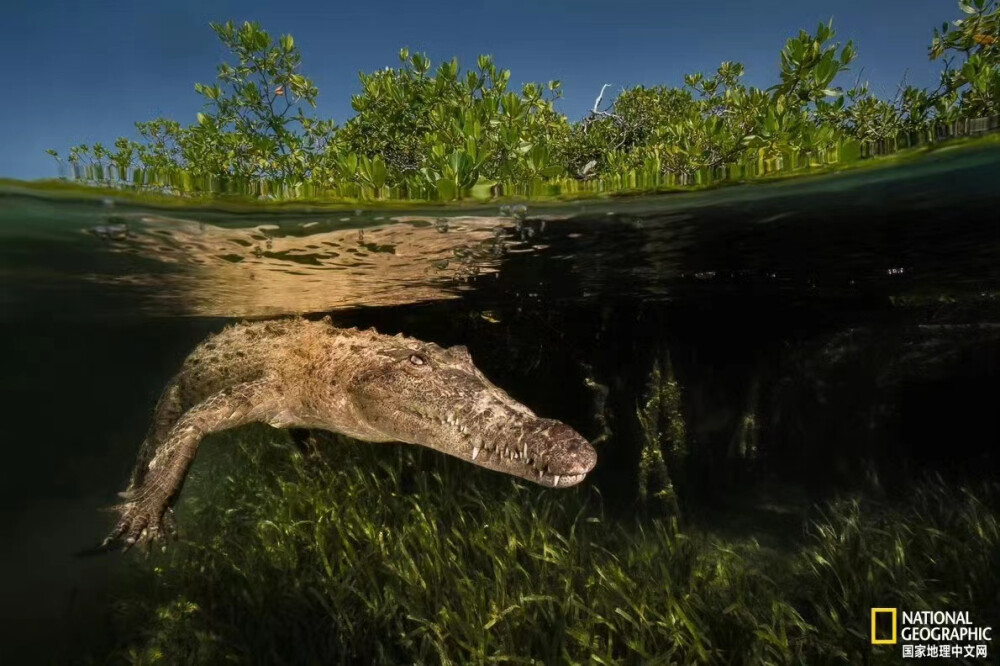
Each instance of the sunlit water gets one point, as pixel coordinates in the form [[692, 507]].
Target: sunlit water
[[100, 301]]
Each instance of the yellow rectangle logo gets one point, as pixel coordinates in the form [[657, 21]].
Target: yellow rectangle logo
[[883, 641]]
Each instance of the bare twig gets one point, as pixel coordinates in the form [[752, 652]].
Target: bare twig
[[597, 102], [857, 80], [597, 113], [900, 89]]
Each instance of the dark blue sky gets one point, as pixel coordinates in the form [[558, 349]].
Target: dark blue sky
[[85, 71]]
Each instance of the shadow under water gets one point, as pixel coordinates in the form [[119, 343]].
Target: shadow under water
[[808, 339]]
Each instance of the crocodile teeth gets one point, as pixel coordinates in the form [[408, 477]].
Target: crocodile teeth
[[540, 474], [556, 481], [475, 452], [525, 451]]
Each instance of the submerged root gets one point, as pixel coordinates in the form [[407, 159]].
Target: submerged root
[[665, 437]]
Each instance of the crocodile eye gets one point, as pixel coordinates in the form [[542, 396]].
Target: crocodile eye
[[417, 359]]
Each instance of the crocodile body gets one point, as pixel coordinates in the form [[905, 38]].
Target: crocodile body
[[296, 373]]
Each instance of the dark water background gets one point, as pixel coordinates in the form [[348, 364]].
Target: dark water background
[[858, 316]]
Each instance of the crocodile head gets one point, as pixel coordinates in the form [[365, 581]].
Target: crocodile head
[[421, 393]]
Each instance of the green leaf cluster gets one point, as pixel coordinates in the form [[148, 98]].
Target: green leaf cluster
[[422, 131]]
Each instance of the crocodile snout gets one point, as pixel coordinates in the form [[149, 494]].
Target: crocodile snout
[[571, 453]]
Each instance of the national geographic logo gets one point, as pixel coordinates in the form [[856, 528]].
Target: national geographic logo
[[883, 637], [931, 634]]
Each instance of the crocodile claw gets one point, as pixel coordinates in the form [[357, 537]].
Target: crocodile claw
[[141, 523]]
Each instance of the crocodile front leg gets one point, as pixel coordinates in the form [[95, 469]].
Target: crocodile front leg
[[144, 514]]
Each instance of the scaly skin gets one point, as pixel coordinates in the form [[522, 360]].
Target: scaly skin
[[296, 373]]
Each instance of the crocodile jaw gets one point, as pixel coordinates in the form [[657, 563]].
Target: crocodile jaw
[[543, 451]]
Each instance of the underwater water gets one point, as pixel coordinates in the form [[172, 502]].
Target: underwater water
[[806, 340]]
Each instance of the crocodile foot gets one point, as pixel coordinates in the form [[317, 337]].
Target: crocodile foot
[[141, 523]]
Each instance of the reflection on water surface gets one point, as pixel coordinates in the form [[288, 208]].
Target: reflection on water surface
[[300, 267]]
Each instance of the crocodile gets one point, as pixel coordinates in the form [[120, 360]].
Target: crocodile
[[303, 374]]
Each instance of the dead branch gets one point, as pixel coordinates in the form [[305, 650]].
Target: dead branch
[[595, 112], [597, 102]]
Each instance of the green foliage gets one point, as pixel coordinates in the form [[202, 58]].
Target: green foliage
[[162, 149], [972, 87], [448, 130], [808, 67], [397, 555], [254, 120], [426, 132]]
